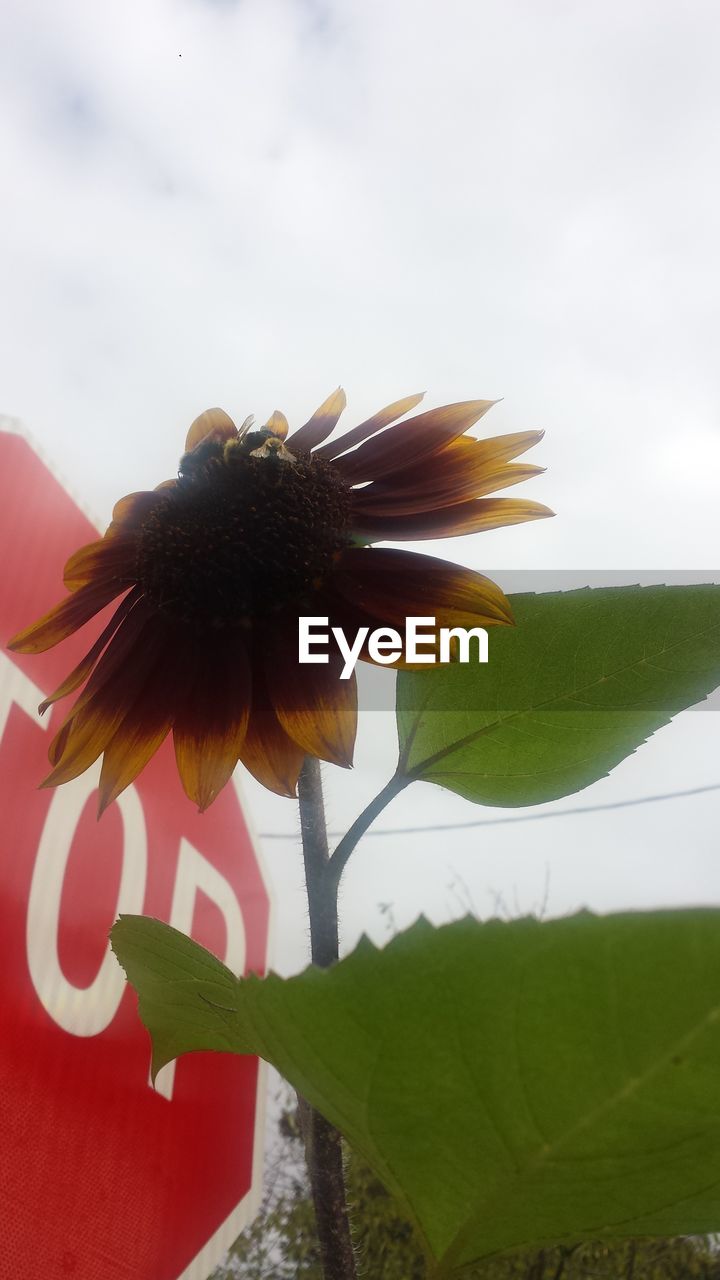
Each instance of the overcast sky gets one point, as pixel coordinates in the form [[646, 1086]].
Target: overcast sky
[[247, 202]]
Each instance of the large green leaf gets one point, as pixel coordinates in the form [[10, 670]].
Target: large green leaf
[[582, 679], [513, 1083]]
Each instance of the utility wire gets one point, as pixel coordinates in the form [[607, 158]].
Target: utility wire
[[499, 822]]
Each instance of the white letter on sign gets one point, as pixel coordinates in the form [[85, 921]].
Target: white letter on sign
[[83, 1011], [195, 872], [16, 687]]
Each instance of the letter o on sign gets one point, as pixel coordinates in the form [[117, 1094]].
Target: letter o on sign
[[83, 1011]]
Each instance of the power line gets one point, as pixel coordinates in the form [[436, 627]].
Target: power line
[[499, 822]]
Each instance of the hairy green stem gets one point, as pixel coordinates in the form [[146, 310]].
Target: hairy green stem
[[337, 863], [323, 1144]]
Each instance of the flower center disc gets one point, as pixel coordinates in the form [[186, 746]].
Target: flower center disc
[[241, 537]]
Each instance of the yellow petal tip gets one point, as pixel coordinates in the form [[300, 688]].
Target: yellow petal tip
[[104, 802], [214, 420]]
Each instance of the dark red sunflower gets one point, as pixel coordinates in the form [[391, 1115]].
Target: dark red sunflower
[[215, 567]]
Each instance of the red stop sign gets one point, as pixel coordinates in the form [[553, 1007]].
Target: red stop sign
[[100, 1175]]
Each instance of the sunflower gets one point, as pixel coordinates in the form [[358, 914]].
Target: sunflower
[[214, 569]]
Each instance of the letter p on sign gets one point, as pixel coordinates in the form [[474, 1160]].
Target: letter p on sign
[[107, 1176]]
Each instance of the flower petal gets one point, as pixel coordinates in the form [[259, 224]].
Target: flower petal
[[82, 738], [277, 423], [130, 512], [411, 441], [132, 746], [315, 707], [66, 617], [270, 755], [211, 720], [125, 662], [215, 421], [369, 427], [394, 585], [110, 559], [318, 428], [440, 488], [462, 459], [80, 673], [150, 713], [450, 522], [79, 743], [125, 668]]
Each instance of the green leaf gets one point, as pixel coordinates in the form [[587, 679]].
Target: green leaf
[[582, 679], [513, 1084]]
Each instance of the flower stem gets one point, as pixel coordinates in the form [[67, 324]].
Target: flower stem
[[337, 863], [323, 1144], [322, 894]]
